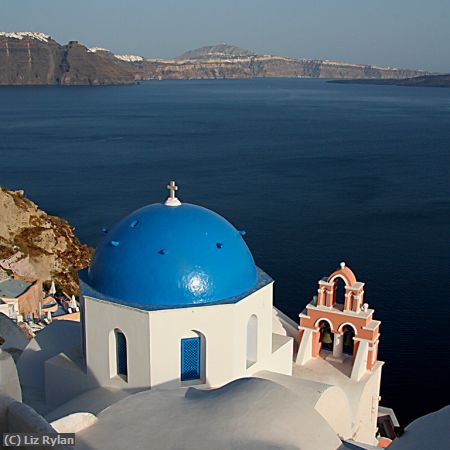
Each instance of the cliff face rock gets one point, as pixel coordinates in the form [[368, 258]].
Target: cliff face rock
[[35, 244], [37, 59], [80, 65], [32, 58], [226, 61]]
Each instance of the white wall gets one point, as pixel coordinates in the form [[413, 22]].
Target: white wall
[[4, 309], [367, 408], [154, 341], [101, 318], [333, 406], [64, 380], [282, 354], [260, 303], [225, 330], [20, 418], [9, 379], [168, 327]]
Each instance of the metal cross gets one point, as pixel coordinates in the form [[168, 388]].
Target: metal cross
[[172, 188]]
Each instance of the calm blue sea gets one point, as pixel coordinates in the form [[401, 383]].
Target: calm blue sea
[[317, 173]]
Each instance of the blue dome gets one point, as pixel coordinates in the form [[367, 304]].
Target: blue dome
[[165, 256]]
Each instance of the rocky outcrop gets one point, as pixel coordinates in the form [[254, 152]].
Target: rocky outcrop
[[35, 244], [37, 59]]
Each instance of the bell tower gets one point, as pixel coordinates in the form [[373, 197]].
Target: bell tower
[[339, 331]]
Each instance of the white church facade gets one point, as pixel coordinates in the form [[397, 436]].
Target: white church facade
[[206, 345]]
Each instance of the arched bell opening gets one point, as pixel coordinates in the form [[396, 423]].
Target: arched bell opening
[[339, 291], [326, 336], [349, 339]]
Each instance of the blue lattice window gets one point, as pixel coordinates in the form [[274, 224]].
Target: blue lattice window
[[121, 354], [190, 359]]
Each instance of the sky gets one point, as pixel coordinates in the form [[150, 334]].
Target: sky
[[397, 33]]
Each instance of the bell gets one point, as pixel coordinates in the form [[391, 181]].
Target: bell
[[326, 338], [348, 340]]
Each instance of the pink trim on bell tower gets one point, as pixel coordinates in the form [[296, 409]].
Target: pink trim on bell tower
[[349, 323]]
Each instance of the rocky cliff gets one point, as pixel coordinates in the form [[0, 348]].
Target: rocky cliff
[[37, 59], [264, 66], [84, 66], [35, 244], [226, 61]]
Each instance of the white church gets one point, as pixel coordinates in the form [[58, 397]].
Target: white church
[[180, 347], [173, 298]]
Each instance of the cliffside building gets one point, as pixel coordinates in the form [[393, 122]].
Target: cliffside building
[[20, 297]]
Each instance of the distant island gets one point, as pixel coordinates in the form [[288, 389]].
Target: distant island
[[29, 58], [420, 81]]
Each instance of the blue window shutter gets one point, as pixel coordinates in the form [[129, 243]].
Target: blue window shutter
[[190, 359]]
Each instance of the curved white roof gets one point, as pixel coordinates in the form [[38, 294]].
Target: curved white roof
[[248, 413]]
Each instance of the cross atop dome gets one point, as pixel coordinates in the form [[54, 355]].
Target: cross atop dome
[[172, 200]]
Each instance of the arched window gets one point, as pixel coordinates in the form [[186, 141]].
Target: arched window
[[193, 357], [348, 336], [339, 291], [252, 340], [121, 354]]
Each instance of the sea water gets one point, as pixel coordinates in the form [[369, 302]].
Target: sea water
[[316, 173]]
